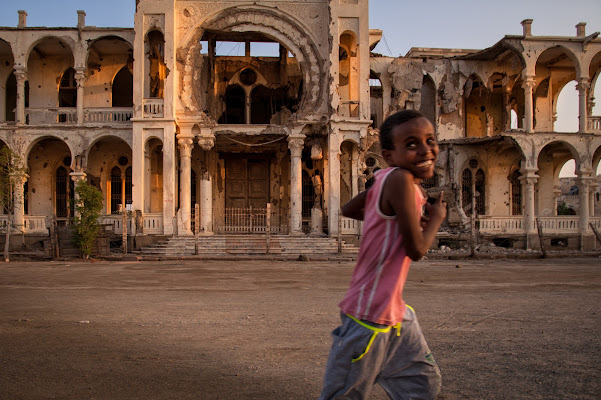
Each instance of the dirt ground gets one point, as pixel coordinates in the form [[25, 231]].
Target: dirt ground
[[499, 329]]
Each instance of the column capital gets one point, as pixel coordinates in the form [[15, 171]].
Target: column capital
[[583, 84], [19, 177], [528, 82], [20, 73], [185, 144], [77, 176], [296, 143], [206, 142], [80, 75]]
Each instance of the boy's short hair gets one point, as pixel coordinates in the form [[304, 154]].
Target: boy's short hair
[[386, 139]]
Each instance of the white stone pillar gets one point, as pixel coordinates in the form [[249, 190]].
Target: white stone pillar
[[19, 180], [141, 199], [591, 202], [76, 177], [583, 183], [206, 140], [528, 85], [185, 156], [21, 77], [296, 143], [80, 77], [147, 179], [529, 179], [169, 179], [354, 171], [206, 204], [582, 86], [333, 182]]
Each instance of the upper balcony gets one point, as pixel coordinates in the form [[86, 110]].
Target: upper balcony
[[68, 116]]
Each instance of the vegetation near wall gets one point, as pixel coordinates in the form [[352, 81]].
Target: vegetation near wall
[[87, 211]]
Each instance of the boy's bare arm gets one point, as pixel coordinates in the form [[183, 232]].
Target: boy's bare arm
[[355, 207], [399, 193]]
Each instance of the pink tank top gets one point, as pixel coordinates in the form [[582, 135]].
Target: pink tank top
[[376, 290]]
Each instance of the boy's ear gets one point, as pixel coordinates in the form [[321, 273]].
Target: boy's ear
[[387, 156]]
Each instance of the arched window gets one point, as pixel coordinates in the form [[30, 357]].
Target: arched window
[[67, 91], [516, 193], [64, 191], [480, 186], [428, 99], [11, 96], [121, 185], [61, 192], [123, 89], [466, 191], [128, 186], [116, 191]]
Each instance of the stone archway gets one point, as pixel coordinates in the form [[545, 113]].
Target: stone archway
[[272, 24]]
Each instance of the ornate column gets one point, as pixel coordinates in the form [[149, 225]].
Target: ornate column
[[21, 77], [185, 143], [80, 77], [528, 85], [206, 140], [77, 176], [582, 86], [296, 142], [529, 179], [19, 180]]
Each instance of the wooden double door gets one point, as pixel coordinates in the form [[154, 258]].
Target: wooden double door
[[246, 182]]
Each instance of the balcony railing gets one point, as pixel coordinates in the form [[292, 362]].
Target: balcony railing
[[153, 223], [509, 225], [349, 226], [32, 224], [594, 124], [58, 115], [153, 108], [112, 114], [550, 225], [68, 115]]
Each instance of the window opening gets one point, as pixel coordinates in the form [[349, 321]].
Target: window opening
[[123, 89], [264, 49], [231, 49], [480, 187], [67, 92], [128, 186], [157, 68], [116, 191], [61, 192], [235, 106], [466, 191], [516, 193]]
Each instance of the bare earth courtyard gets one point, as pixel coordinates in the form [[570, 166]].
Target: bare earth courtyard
[[502, 329]]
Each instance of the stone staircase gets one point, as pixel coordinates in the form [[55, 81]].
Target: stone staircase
[[236, 245]]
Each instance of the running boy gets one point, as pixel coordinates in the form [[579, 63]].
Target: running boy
[[379, 339]]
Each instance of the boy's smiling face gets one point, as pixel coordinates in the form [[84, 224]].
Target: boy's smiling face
[[415, 148]]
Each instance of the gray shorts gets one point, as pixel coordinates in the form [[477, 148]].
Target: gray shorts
[[364, 353]]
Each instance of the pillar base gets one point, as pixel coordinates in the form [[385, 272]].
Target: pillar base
[[317, 222]]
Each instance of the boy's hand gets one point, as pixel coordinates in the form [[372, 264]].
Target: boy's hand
[[437, 211]]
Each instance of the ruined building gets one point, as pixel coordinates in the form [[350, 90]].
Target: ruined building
[[225, 117]]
